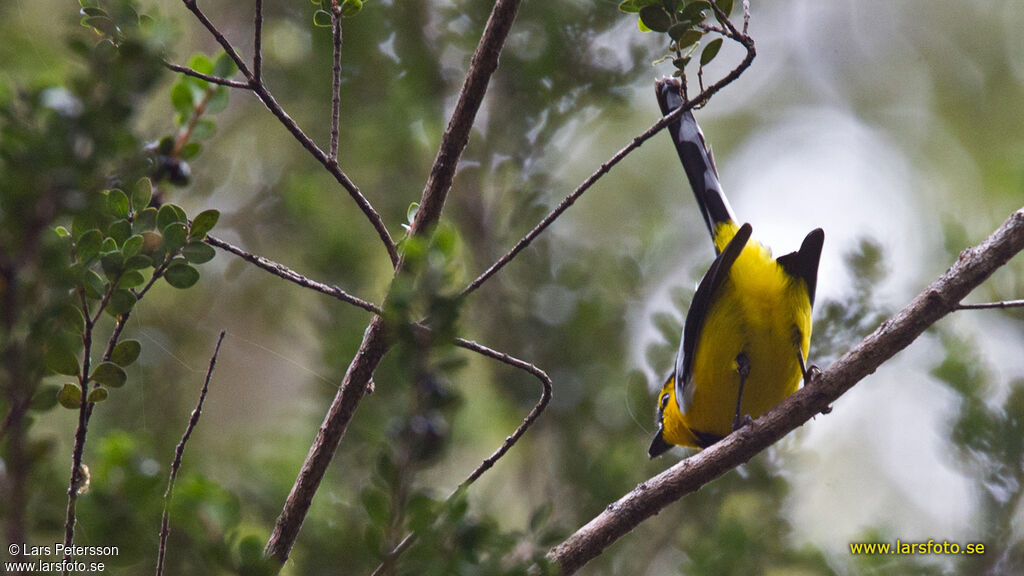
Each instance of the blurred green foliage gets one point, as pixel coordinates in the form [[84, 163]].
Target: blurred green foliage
[[100, 113]]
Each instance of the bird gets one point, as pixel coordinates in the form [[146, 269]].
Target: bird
[[747, 333]]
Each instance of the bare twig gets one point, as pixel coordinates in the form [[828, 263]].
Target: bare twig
[[211, 79], [939, 299], [179, 451], [263, 93], [77, 472], [510, 441], [569, 200], [336, 86], [375, 341], [257, 44], [282, 271], [989, 305]]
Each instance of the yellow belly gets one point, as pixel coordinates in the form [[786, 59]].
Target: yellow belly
[[763, 313]]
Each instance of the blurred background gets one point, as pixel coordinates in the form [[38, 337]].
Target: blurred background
[[898, 127]]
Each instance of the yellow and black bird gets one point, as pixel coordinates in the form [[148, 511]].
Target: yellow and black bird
[[745, 339]]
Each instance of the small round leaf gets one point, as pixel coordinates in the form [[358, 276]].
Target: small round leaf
[[132, 246], [175, 236], [168, 214], [198, 252], [62, 361], [710, 51], [125, 353], [203, 223], [45, 398], [181, 275], [322, 19], [350, 8], [109, 374], [142, 194], [117, 202], [121, 301], [88, 246], [70, 396], [97, 394], [655, 18]]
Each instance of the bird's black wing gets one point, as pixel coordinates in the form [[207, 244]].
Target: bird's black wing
[[804, 262], [701, 304]]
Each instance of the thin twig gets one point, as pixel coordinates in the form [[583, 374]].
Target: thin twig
[[375, 340], [510, 441], [282, 271], [336, 86], [1006, 304], [569, 200], [263, 93], [972, 268], [208, 78], [257, 44], [179, 451], [77, 476]]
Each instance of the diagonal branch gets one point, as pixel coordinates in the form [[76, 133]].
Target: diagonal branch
[[375, 340], [569, 200], [179, 451], [942, 297], [990, 305], [211, 79], [261, 91]]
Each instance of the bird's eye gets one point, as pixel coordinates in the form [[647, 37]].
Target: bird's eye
[[664, 401]]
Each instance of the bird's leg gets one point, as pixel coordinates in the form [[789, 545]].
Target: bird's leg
[[810, 373], [743, 368]]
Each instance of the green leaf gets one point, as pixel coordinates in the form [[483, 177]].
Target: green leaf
[[62, 232], [322, 19], [655, 18], [71, 319], [45, 398], [181, 275], [100, 24], [678, 29], [224, 66], [710, 51], [204, 129], [200, 63], [126, 353], [109, 374], [62, 361], [350, 8], [725, 6], [88, 246], [95, 286], [410, 213], [198, 252], [181, 98], [108, 246], [144, 220], [131, 279], [132, 246], [629, 7], [137, 262], [113, 265], [688, 39], [97, 394], [175, 236], [151, 242], [121, 302], [203, 223], [120, 231], [142, 194], [218, 100], [191, 150], [168, 214], [695, 11], [70, 396], [117, 202], [376, 505]]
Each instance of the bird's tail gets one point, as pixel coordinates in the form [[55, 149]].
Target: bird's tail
[[696, 158]]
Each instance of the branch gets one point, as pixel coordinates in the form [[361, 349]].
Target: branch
[[179, 451], [375, 341], [988, 305], [569, 200], [510, 441], [971, 269], [336, 73], [263, 93], [282, 271], [257, 43], [211, 79]]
